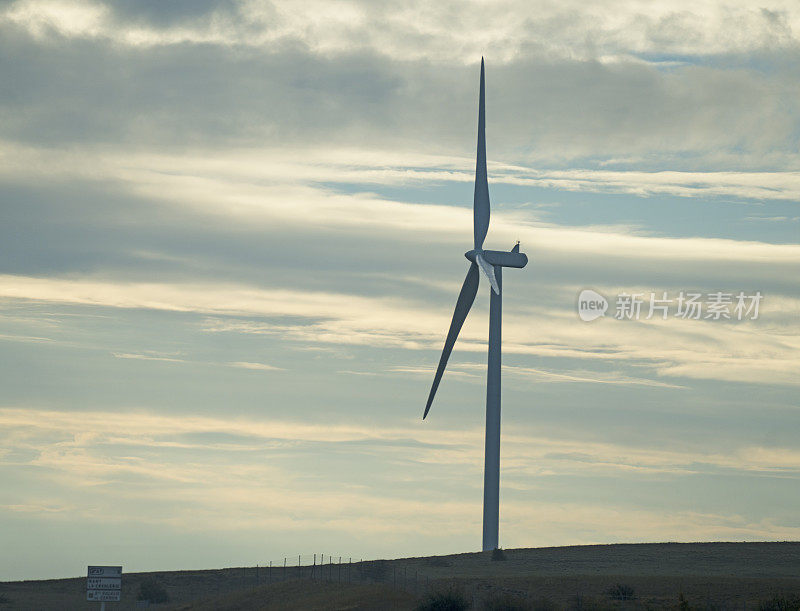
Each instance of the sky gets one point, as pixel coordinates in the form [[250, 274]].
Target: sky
[[232, 238]]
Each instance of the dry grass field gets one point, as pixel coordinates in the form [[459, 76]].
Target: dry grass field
[[653, 576]]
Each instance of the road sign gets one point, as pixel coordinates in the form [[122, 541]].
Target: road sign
[[105, 571], [103, 595], [104, 583]]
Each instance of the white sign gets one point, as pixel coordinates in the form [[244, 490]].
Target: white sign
[[105, 571], [104, 583], [103, 595]]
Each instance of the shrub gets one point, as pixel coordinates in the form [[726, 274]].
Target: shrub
[[543, 604], [497, 554], [450, 600], [621, 591], [683, 604], [780, 603], [579, 602], [506, 602], [152, 591]]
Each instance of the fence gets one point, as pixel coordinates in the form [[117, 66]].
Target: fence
[[189, 586], [335, 568]]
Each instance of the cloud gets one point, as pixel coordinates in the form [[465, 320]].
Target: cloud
[[427, 372], [242, 474], [153, 356], [475, 371], [675, 348], [254, 366], [67, 56], [66, 433], [244, 190], [590, 377], [35, 509], [146, 357], [164, 15], [774, 219], [669, 34], [24, 338]]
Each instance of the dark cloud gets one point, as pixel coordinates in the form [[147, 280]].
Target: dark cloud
[[164, 13], [79, 90]]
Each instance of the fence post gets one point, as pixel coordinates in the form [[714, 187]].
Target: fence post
[[284, 568], [270, 571], [314, 567]]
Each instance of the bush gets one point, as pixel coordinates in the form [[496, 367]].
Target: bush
[[497, 554], [683, 604], [451, 600], [780, 603], [506, 602], [621, 591], [579, 602], [152, 591], [543, 604]]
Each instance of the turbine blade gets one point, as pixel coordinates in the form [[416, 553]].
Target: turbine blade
[[480, 209], [465, 300], [488, 270]]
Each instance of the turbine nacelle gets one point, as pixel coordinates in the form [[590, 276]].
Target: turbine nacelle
[[499, 258]]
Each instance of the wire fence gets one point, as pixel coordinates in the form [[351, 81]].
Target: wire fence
[[341, 569], [189, 586]]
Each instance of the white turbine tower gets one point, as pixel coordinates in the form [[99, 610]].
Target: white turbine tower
[[491, 263]]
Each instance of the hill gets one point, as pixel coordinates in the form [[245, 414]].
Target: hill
[[629, 576]]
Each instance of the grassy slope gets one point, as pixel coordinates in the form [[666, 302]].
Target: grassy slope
[[722, 575]]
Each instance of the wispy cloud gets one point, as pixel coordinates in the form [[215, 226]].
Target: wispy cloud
[[146, 357], [257, 181], [24, 338], [694, 349], [254, 467], [589, 377], [254, 366]]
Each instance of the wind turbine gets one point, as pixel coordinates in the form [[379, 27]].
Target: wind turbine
[[491, 263]]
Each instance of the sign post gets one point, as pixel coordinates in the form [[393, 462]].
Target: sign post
[[104, 583]]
